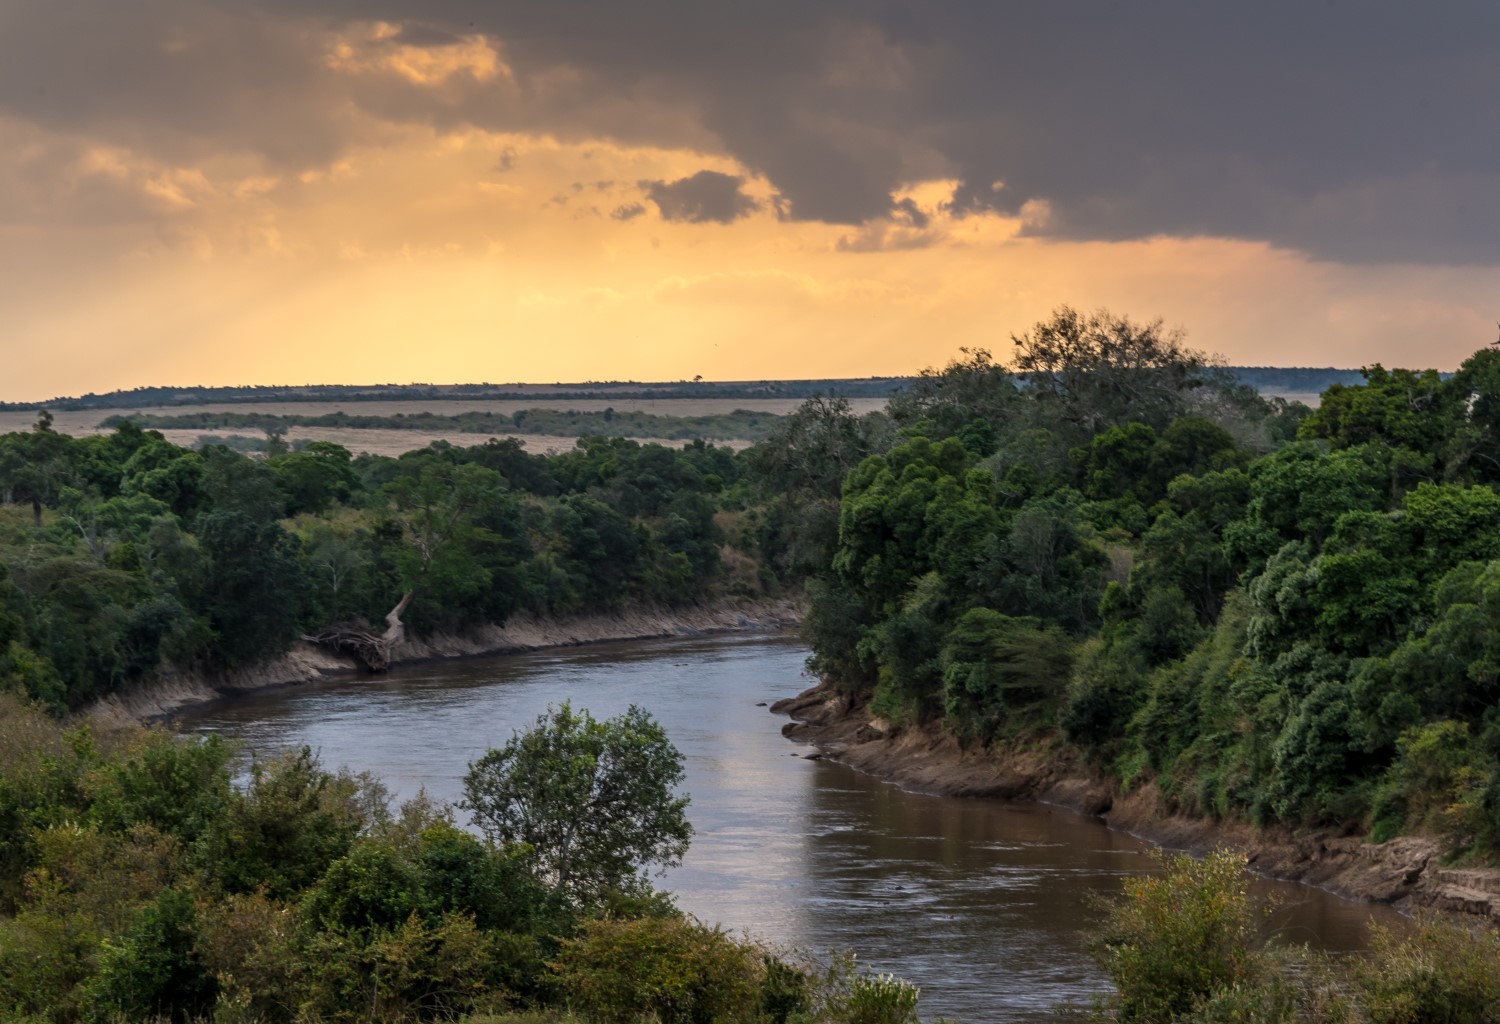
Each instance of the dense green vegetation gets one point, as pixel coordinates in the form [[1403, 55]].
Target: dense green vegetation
[[1112, 544], [139, 882], [122, 554], [737, 425], [1190, 945], [1112, 548]]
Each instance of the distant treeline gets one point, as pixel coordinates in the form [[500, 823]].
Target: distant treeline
[[737, 425], [138, 398], [1261, 378], [1299, 379]]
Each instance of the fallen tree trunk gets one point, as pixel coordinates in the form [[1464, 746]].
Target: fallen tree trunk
[[359, 639]]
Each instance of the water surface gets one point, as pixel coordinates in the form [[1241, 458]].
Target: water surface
[[984, 904]]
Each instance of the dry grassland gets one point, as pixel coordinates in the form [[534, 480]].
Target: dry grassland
[[81, 423]]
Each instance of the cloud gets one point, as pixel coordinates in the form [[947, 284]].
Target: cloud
[[629, 212], [417, 57], [885, 236], [705, 197], [907, 210], [1353, 132]]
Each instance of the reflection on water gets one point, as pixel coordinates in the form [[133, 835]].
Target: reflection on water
[[984, 904]]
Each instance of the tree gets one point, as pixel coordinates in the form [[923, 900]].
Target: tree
[[994, 664], [801, 468], [945, 402], [1099, 370], [254, 588], [591, 803], [315, 477], [33, 466], [1403, 408]]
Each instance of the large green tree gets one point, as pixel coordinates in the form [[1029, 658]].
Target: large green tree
[[591, 804]]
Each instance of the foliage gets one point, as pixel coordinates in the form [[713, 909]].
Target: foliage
[[123, 556], [1110, 539], [142, 883], [994, 665], [1177, 937], [1442, 971], [592, 803], [1100, 370], [845, 993], [674, 970]]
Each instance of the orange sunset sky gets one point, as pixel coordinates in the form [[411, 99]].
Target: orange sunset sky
[[250, 191]]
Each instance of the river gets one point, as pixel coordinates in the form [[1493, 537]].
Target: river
[[984, 904]]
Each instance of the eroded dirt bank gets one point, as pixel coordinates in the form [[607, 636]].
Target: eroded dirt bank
[[1403, 871], [171, 691]]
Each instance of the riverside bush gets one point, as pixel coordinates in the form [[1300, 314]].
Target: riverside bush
[[1177, 938], [1185, 947], [672, 970], [874, 999], [1442, 972]]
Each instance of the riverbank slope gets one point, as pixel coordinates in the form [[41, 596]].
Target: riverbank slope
[[168, 692], [1405, 871]]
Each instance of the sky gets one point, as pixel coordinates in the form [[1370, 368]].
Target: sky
[[293, 191]]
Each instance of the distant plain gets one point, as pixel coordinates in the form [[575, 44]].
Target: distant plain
[[383, 441], [380, 441]]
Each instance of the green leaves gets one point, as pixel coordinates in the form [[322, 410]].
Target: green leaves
[[994, 664], [592, 803], [1179, 937]]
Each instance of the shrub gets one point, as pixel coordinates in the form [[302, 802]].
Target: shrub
[[418, 970], [676, 969], [849, 996], [155, 969], [1178, 938], [1436, 785], [1442, 972]]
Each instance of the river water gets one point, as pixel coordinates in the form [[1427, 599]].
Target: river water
[[984, 904]]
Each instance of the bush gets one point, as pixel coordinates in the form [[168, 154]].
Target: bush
[[849, 996], [1436, 785], [291, 822], [155, 968], [1176, 939], [419, 970], [674, 969], [1442, 972], [370, 887]]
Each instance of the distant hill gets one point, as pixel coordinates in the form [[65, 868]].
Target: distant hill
[[1269, 379]]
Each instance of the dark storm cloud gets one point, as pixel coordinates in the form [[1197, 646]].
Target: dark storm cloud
[[176, 79], [908, 211], [1359, 131], [703, 197]]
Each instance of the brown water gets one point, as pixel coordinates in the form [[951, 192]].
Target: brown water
[[983, 904]]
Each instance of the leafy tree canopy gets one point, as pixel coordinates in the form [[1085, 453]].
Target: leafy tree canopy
[[593, 804]]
